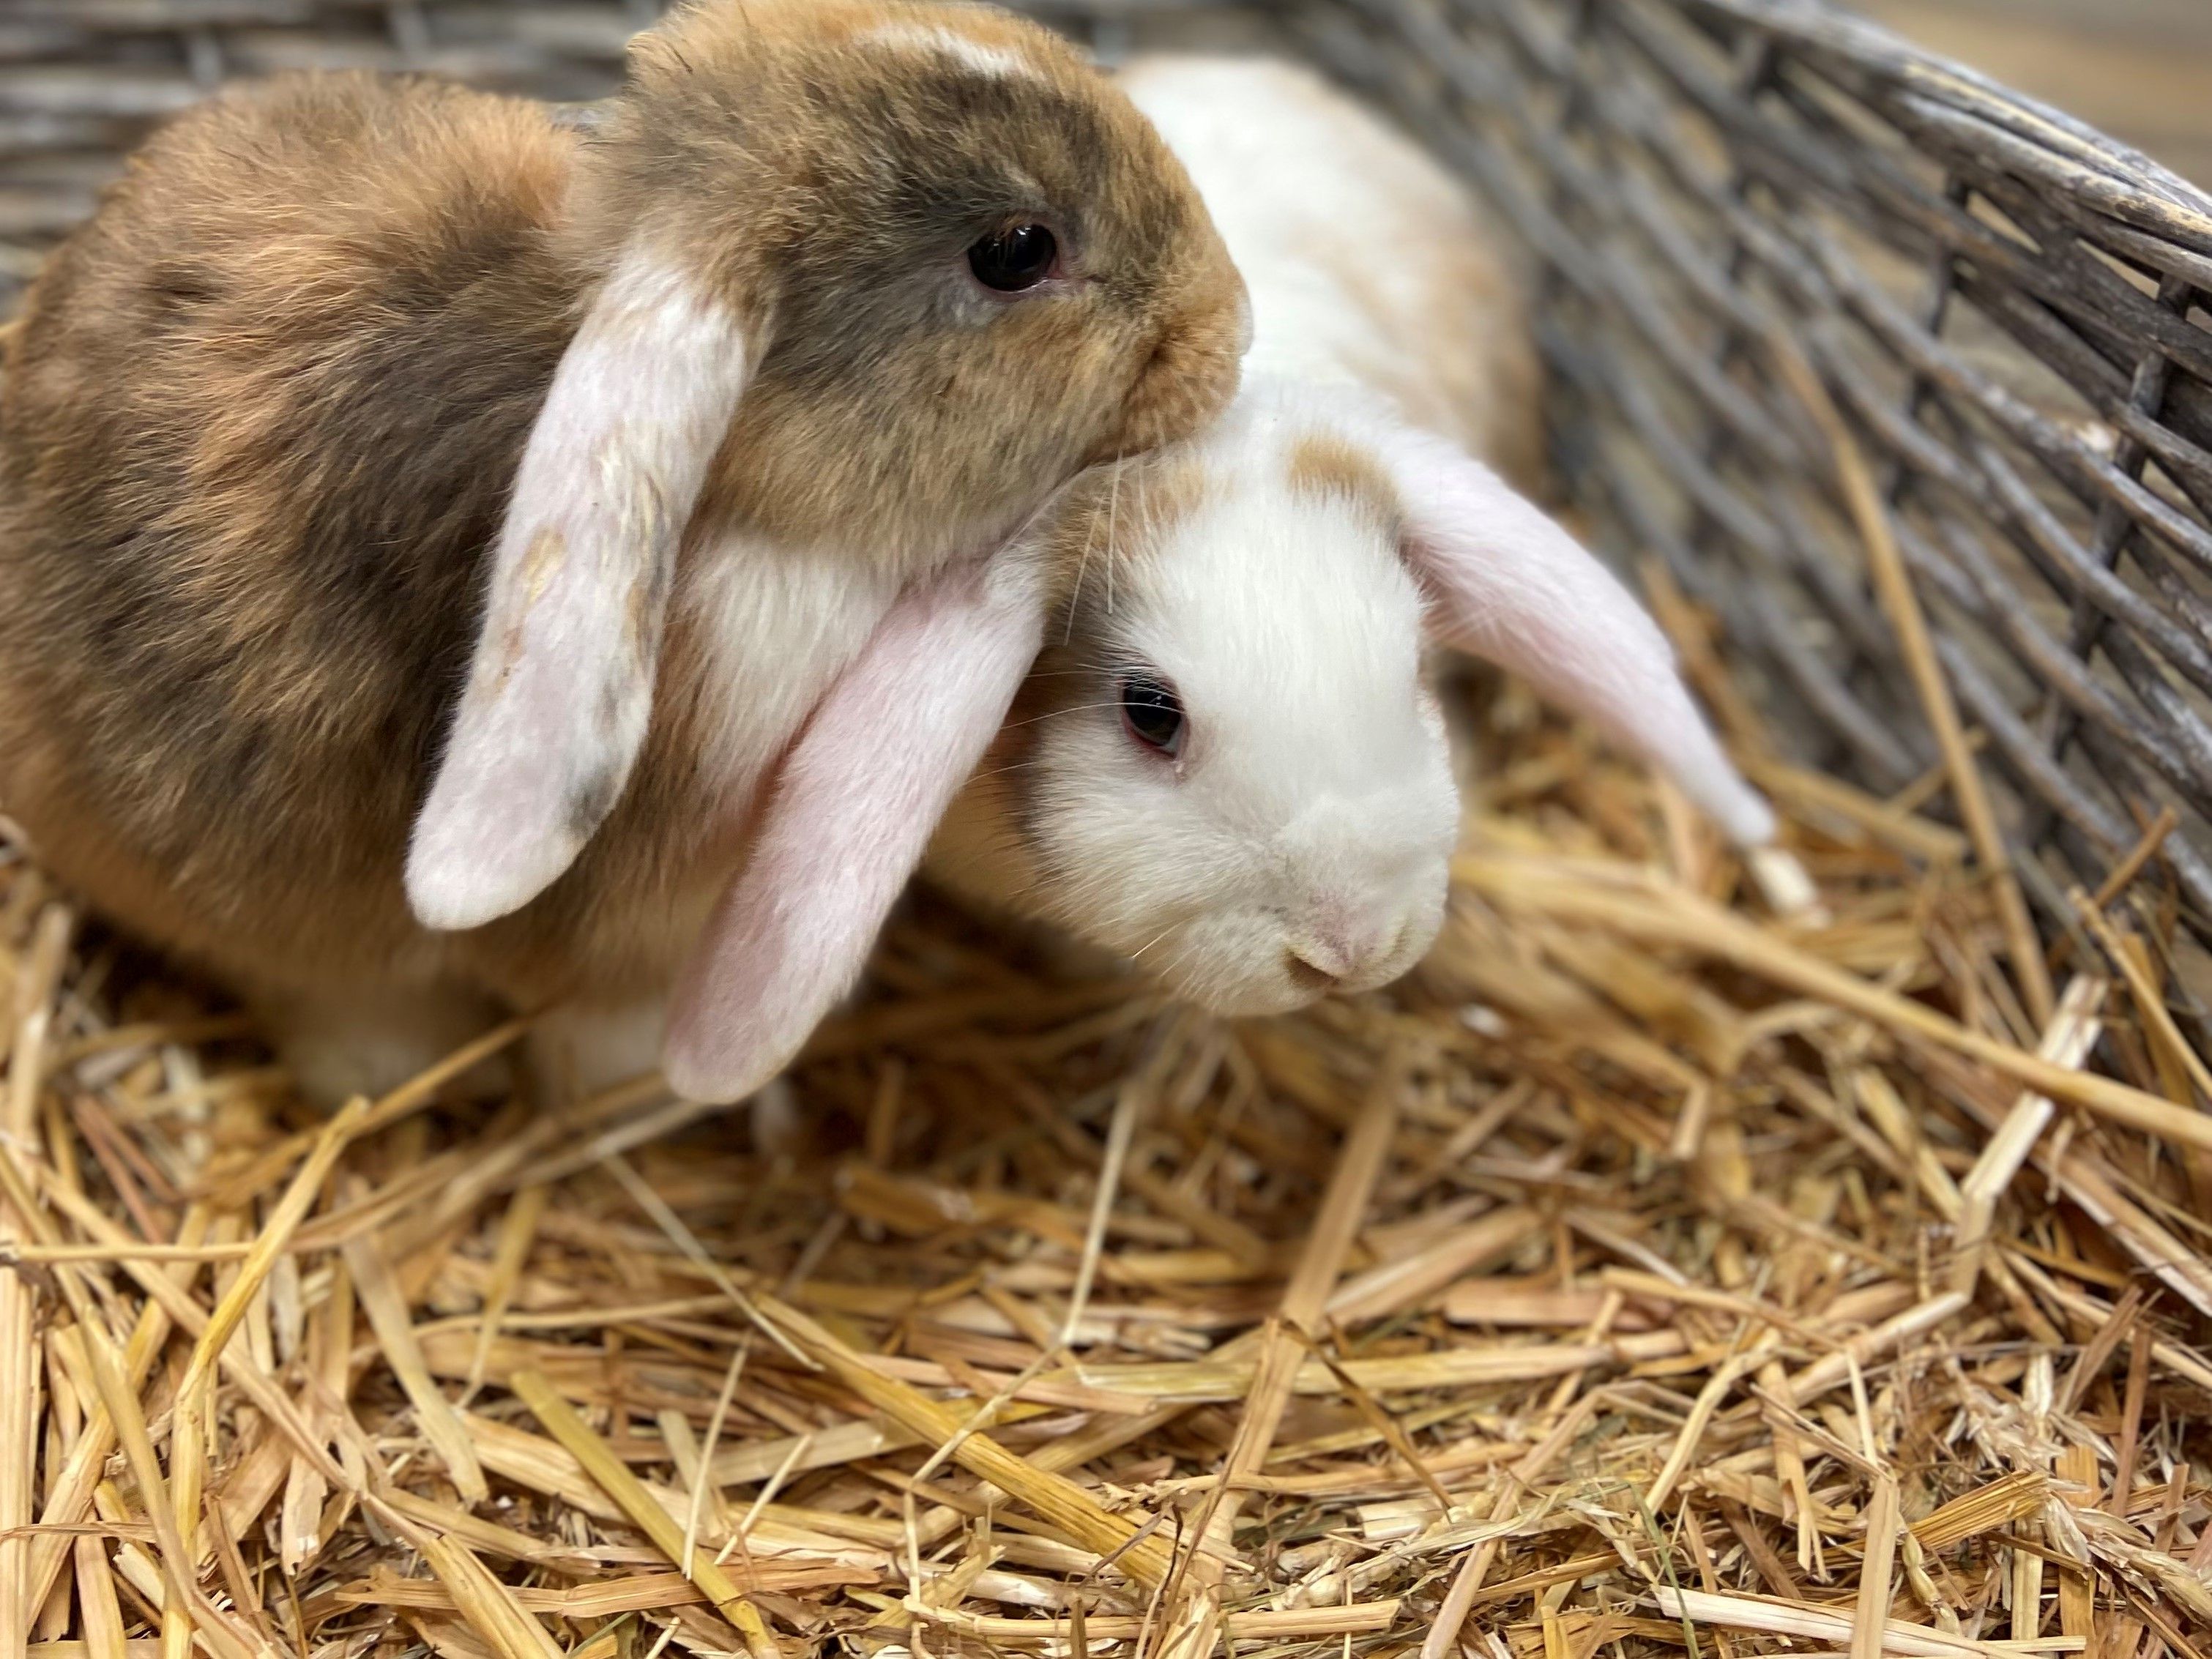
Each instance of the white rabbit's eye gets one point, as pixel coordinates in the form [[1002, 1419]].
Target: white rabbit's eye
[[1152, 712], [1010, 260]]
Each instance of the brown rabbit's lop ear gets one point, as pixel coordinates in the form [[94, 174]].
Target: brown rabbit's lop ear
[[856, 802], [561, 688], [1508, 584]]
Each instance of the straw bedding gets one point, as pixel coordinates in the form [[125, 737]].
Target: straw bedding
[[1686, 1260]]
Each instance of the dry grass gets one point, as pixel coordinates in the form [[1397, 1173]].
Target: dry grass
[[1657, 1271]]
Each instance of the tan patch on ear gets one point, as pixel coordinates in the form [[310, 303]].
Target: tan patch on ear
[[1324, 466], [548, 549]]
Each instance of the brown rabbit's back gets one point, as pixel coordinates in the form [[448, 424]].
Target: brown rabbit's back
[[254, 441]]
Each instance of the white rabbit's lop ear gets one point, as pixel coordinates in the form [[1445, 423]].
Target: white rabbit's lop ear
[[856, 803], [1508, 584], [562, 686]]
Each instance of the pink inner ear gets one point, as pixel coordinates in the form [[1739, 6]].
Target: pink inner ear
[[1508, 585], [855, 807]]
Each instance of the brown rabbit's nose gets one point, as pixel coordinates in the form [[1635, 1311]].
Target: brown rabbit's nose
[[1191, 374]]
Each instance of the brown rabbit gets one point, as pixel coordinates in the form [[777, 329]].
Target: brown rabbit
[[386, 459]]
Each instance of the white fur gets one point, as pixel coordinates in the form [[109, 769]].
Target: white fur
[[774, 625], [1311, 817], [1312, 812], [778, 624], [1351, 238], [579, 1051], [853, 809], [561, 684], [369, 1041], [969, 54]]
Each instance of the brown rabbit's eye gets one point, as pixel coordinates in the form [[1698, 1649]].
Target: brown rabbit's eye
[[1011, 260], [1152, 712]]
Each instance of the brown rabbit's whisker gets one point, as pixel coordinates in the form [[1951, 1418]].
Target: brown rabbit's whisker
[[1052, 714], [1112, 508], [1083, 567]]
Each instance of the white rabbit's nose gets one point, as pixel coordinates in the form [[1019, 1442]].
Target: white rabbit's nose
[[1319, 981], [1335, 948]]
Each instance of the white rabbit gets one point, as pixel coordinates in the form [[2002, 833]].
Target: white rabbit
[[1226, 765]]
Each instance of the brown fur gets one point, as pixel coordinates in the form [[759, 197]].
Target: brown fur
[[1324, 466], [259, 422], [862, 427]]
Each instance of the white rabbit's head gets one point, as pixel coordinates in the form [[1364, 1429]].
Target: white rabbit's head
[[1226, 765]]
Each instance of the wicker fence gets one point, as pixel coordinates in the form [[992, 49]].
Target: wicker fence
[[1848, 337], [1999, 303]]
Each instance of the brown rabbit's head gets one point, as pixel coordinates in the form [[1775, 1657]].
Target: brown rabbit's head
[[963, 264], [878, 278]]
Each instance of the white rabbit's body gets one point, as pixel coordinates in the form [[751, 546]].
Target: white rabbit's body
[[1367, 266], [1270, 581]]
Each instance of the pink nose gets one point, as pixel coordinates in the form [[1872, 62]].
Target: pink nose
[[1333, 951]]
